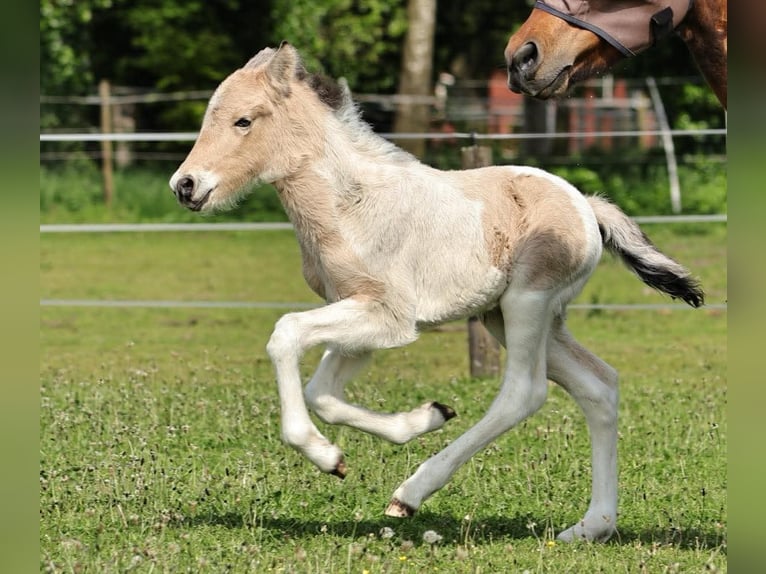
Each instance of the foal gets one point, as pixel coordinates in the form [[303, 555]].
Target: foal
[[394, 246]]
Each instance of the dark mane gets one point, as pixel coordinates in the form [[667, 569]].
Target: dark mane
[[328, 90]]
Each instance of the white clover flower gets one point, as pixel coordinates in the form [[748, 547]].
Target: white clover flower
[[431, 537], [386, 532]]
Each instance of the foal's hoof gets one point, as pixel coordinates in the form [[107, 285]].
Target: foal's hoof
[[446, 412], [591, 531], [340, 469], [398, 509]]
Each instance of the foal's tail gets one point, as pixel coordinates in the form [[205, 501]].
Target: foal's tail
[[622, 236]]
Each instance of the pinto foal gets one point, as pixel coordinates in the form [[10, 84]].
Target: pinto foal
[[394, 246]]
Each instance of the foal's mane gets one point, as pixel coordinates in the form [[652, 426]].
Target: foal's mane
[[337, 96]]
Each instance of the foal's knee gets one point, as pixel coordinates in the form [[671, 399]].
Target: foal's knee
[[321, 404], [284, 338]]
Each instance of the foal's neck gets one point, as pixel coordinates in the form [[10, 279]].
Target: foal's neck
[[350, 161]]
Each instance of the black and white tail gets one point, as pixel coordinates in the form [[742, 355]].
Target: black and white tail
[[622, 236]]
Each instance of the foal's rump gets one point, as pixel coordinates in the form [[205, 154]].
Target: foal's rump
[[545, 234], [539, 230]]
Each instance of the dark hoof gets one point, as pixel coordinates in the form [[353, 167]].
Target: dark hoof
[[446, 412], [398, 509], [340, 469]]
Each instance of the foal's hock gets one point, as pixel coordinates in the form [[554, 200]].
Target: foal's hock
[[394, 246]]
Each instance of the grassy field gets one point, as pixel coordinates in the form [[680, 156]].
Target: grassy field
[[159, 429]]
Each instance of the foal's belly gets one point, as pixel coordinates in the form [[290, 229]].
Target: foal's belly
[[440, 302]]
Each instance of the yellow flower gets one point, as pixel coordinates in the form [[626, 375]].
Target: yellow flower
[[551, 543], [403, 558]]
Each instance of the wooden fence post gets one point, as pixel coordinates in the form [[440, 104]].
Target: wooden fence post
[[483, 348], [104, 92]]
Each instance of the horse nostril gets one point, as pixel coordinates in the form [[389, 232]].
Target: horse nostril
[[185, 187], [526, 58]]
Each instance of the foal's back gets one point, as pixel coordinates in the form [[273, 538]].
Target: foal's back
[[454, 241]]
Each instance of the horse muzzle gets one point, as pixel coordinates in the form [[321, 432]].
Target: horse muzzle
[[527, 76], [190, 191]]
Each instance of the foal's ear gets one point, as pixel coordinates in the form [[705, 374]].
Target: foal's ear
[[283, 66], [345, 92]]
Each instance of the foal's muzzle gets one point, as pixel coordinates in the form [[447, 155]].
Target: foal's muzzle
[[184, 189]]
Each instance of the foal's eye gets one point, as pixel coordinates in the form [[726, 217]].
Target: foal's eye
[[242, 123]]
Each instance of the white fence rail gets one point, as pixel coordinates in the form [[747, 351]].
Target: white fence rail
[[168, 304], [275, 226], [473, 136]]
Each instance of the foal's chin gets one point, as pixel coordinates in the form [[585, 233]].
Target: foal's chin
[[219, 201]]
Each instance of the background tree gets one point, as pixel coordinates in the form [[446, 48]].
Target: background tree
[[174, 45], [416, 76]]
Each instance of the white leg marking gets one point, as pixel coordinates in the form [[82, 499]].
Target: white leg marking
[[351, 325], [593, 385], [324, 395], [523, 392]]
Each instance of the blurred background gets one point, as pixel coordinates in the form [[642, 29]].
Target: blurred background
[[124, 85]]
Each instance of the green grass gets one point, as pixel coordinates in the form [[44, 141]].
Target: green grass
[[74, 194], [159, 428]]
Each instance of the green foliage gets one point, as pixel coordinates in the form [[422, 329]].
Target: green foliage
[[357, 39], [74, 194], [66, 63], [65, 44], [637, 181], [173, 46], [698, 103]]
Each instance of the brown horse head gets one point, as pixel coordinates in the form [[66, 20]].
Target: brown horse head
[[565, 41], [548, 54]]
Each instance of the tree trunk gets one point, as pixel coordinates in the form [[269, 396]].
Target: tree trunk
[[539, 118], [416, 71]]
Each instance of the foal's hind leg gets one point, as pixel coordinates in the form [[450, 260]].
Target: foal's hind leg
[[324, 395], [593, 385], [523, 392]]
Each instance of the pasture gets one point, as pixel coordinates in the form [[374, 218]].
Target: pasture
[[159, 428]]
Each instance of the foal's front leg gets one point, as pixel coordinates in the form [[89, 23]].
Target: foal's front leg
[[351, 325], [324, 395]]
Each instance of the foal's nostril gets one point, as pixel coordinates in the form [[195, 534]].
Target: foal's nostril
[[526, 58], [185, 187]]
